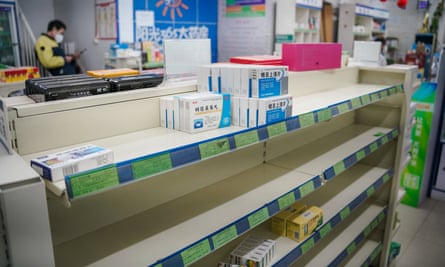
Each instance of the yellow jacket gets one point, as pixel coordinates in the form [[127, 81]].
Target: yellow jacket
[[49, 53]]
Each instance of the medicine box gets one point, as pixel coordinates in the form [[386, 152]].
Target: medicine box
[[253, 251], [262, 81], [244, 112], [235, 112], [166, 111], [278, 222], [311, 56], [253, 112], [204, 78], [55, 167], [274, 109], [300, 226], [204, 111]]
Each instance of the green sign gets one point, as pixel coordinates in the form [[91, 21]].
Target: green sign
[[224, 237], [152, 165], [339, 167], [356, 102], [342, 108], [286, 200], [306, 120], [351, 248], [92, 181], [284, 38], [412, 175], [386, 177], [324, 114], [258, 217], [247, 138], [374, 146], [306, 189], [307, 245], [196, 252], [213, 148], [375, 97], [366, 99], [325, 230], [276, 129], [345, 213], [360, 155], [370, 191]]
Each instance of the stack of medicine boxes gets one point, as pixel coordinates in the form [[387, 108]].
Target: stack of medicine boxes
[[253, 251], [258, 92]]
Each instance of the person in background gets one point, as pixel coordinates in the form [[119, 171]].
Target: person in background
[[51, 55]]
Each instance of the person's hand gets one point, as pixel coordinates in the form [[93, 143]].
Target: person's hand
[[68, 59]]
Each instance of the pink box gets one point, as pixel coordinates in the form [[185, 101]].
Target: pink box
[[311, 56]]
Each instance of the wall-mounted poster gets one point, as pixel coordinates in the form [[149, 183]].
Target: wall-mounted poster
[[106, 27], [245, 8]]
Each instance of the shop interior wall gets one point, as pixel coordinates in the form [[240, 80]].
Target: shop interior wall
[[80, 18]]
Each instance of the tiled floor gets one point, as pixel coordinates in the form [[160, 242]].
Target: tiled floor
[[422, 235]]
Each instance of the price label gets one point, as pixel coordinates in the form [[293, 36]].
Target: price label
[[393, 90], [286, 200], [386, 177], [351, 248], [149, 166], [400, 88], [224, 237], [376, 252], [342, 108], [276, 129], [395, 133], [306, 120], [385, 139], [356, 102], [246, 138], [307, 245], [367, 230], [374, 146], [158, 265], [339, 167], [324, 114], [345, 213], [370, 191], [306, 189], [384, 93], [366, 99], [325, 230], [89, 182], [374, 224], [196, 252], [214, 148], [381, 217], [258, 217], [375, 97], [360, 155]]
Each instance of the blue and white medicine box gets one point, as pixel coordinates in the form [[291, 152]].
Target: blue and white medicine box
[[204, 111], [274, 109], [260, 81], [55, 167]]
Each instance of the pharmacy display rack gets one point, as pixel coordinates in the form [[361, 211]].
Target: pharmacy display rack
[[178, 199]]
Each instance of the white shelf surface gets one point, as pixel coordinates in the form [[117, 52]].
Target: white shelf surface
[[14, 169], [331, 251], [315, 101], [165, 229], [354, 182], [328, 151], [363, 254]]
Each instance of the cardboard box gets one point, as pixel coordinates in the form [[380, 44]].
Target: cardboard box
[[300, 226], [274, 109], [278, 222], [204, 111], [55, 167], [311, 56]]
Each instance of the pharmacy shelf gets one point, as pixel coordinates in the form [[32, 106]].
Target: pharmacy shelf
[[353, 188], [366, 254], [338, 152], [218, 228], [209, 219], [146, 153], [347, 242]]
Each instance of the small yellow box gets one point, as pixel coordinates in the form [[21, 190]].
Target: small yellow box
[[279, 220], [112, 73], [302, 225]]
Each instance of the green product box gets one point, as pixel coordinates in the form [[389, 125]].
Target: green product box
[[412, 176]]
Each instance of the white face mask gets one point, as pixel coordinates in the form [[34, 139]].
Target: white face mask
[[58, 37]]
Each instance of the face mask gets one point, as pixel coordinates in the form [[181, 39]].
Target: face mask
[[58, 37]]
